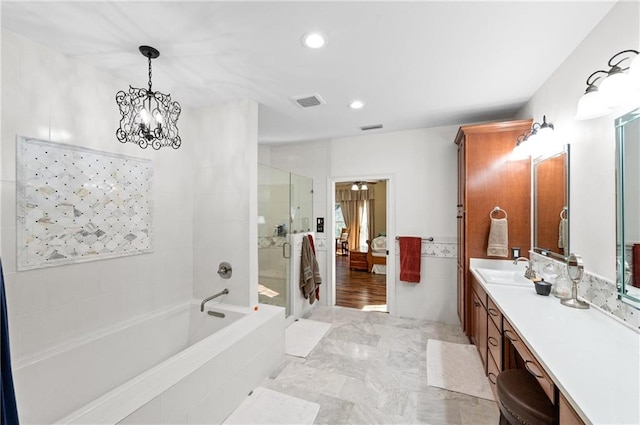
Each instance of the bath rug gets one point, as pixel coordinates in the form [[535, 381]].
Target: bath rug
[[457, 367], [265, 406], [303, 335]]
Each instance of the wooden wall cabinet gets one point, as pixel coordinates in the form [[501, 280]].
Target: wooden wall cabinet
[[488, 177]]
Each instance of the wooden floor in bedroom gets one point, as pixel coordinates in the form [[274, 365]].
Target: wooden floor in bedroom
[[358, 289]]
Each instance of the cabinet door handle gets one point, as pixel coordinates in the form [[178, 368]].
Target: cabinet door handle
[[493, 312], [510, 338], [526, 365], [494, 380], [493, 341], [476, 304]]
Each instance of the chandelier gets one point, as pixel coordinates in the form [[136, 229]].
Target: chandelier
[[148, 117]]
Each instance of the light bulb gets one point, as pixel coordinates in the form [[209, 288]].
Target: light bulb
[[354, 187], [591, 105], [356, 104], [144, 115], [364, 187], [634, 70], [616, 89], [158, 117], [519, 152]]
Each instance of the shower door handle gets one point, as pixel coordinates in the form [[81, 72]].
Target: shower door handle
[[284, 250]]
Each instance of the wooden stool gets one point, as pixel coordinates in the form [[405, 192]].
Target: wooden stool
[[523, 401]]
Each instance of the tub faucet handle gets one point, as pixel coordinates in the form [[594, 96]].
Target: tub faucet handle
[[225, 270]]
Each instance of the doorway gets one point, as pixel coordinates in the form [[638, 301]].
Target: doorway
[[360, 225]]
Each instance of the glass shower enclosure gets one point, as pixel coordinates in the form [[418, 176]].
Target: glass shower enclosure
[[285, 207]]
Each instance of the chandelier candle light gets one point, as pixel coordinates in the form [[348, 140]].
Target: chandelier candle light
[[148, 117]]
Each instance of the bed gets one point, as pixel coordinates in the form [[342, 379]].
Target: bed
[[377, 255]]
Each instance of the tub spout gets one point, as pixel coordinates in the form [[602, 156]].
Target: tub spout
[[224, 292]]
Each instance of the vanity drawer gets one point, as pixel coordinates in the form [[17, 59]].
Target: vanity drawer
[[494, 313], [530, 362], [494, 343]]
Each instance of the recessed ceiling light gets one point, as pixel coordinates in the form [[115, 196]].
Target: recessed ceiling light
[[356, 104], [313, 40]]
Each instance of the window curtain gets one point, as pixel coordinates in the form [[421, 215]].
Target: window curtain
[[352, 205], [370, 220]]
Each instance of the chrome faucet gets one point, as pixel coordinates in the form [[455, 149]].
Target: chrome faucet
[[529, 272], [224, 292]]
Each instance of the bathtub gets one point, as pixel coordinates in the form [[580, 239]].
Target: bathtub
[[174, 366]]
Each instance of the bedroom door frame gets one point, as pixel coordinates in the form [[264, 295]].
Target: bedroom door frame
[[391, 231]]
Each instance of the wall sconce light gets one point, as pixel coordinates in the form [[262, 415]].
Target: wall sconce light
[[616, 87], [148, 117], [537, 141]]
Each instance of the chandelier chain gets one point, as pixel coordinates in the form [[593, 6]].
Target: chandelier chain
[[149, 74]]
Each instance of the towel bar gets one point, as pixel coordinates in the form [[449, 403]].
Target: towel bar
[[429, 239]]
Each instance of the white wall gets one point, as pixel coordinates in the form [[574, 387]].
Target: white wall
[[423, 166], [592, 185], [49, 96], [226, 201]]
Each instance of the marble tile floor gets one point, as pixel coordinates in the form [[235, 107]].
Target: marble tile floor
[[370, 368]]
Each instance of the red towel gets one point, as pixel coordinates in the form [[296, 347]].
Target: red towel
[[410, 256], [635, 267]]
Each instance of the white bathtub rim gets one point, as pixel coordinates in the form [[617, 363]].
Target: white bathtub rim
[[122, 401], [87, 338], [101, 333]]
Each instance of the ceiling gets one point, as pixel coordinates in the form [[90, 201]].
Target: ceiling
[[414, 64]]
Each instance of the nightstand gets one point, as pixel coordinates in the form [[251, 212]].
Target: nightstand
[[358, 261]]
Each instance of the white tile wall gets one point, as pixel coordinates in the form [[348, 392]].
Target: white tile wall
[[50, 96]]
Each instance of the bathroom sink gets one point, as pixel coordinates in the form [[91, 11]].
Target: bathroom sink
[[504, 277]]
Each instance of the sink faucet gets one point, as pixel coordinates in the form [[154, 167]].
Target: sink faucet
[[529, 272]]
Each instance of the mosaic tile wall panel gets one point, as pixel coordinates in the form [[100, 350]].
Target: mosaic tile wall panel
[[595, 289], [76, 204]]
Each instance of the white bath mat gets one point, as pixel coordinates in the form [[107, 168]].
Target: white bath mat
[[456, 367], [266, 406], [302, 335]]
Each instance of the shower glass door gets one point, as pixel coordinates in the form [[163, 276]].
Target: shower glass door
[[285, 206], [274, 210]]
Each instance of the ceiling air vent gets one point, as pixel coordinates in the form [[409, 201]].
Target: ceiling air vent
[[371, 127], [308, 101]]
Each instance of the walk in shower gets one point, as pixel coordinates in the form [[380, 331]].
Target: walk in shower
[[285, 207]]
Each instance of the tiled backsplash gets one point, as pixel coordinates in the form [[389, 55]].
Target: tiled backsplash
[[595, 289]]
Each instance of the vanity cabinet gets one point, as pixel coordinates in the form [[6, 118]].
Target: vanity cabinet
[[479, 321], [486, 332], [525, 359], [486, 179]]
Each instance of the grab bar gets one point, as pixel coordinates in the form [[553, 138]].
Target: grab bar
[[224, 292]]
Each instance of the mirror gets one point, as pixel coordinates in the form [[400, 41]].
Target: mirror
[[551, 205], [628, 205], [575, 270]]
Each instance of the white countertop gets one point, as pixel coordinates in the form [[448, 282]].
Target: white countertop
[[593, 358]]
